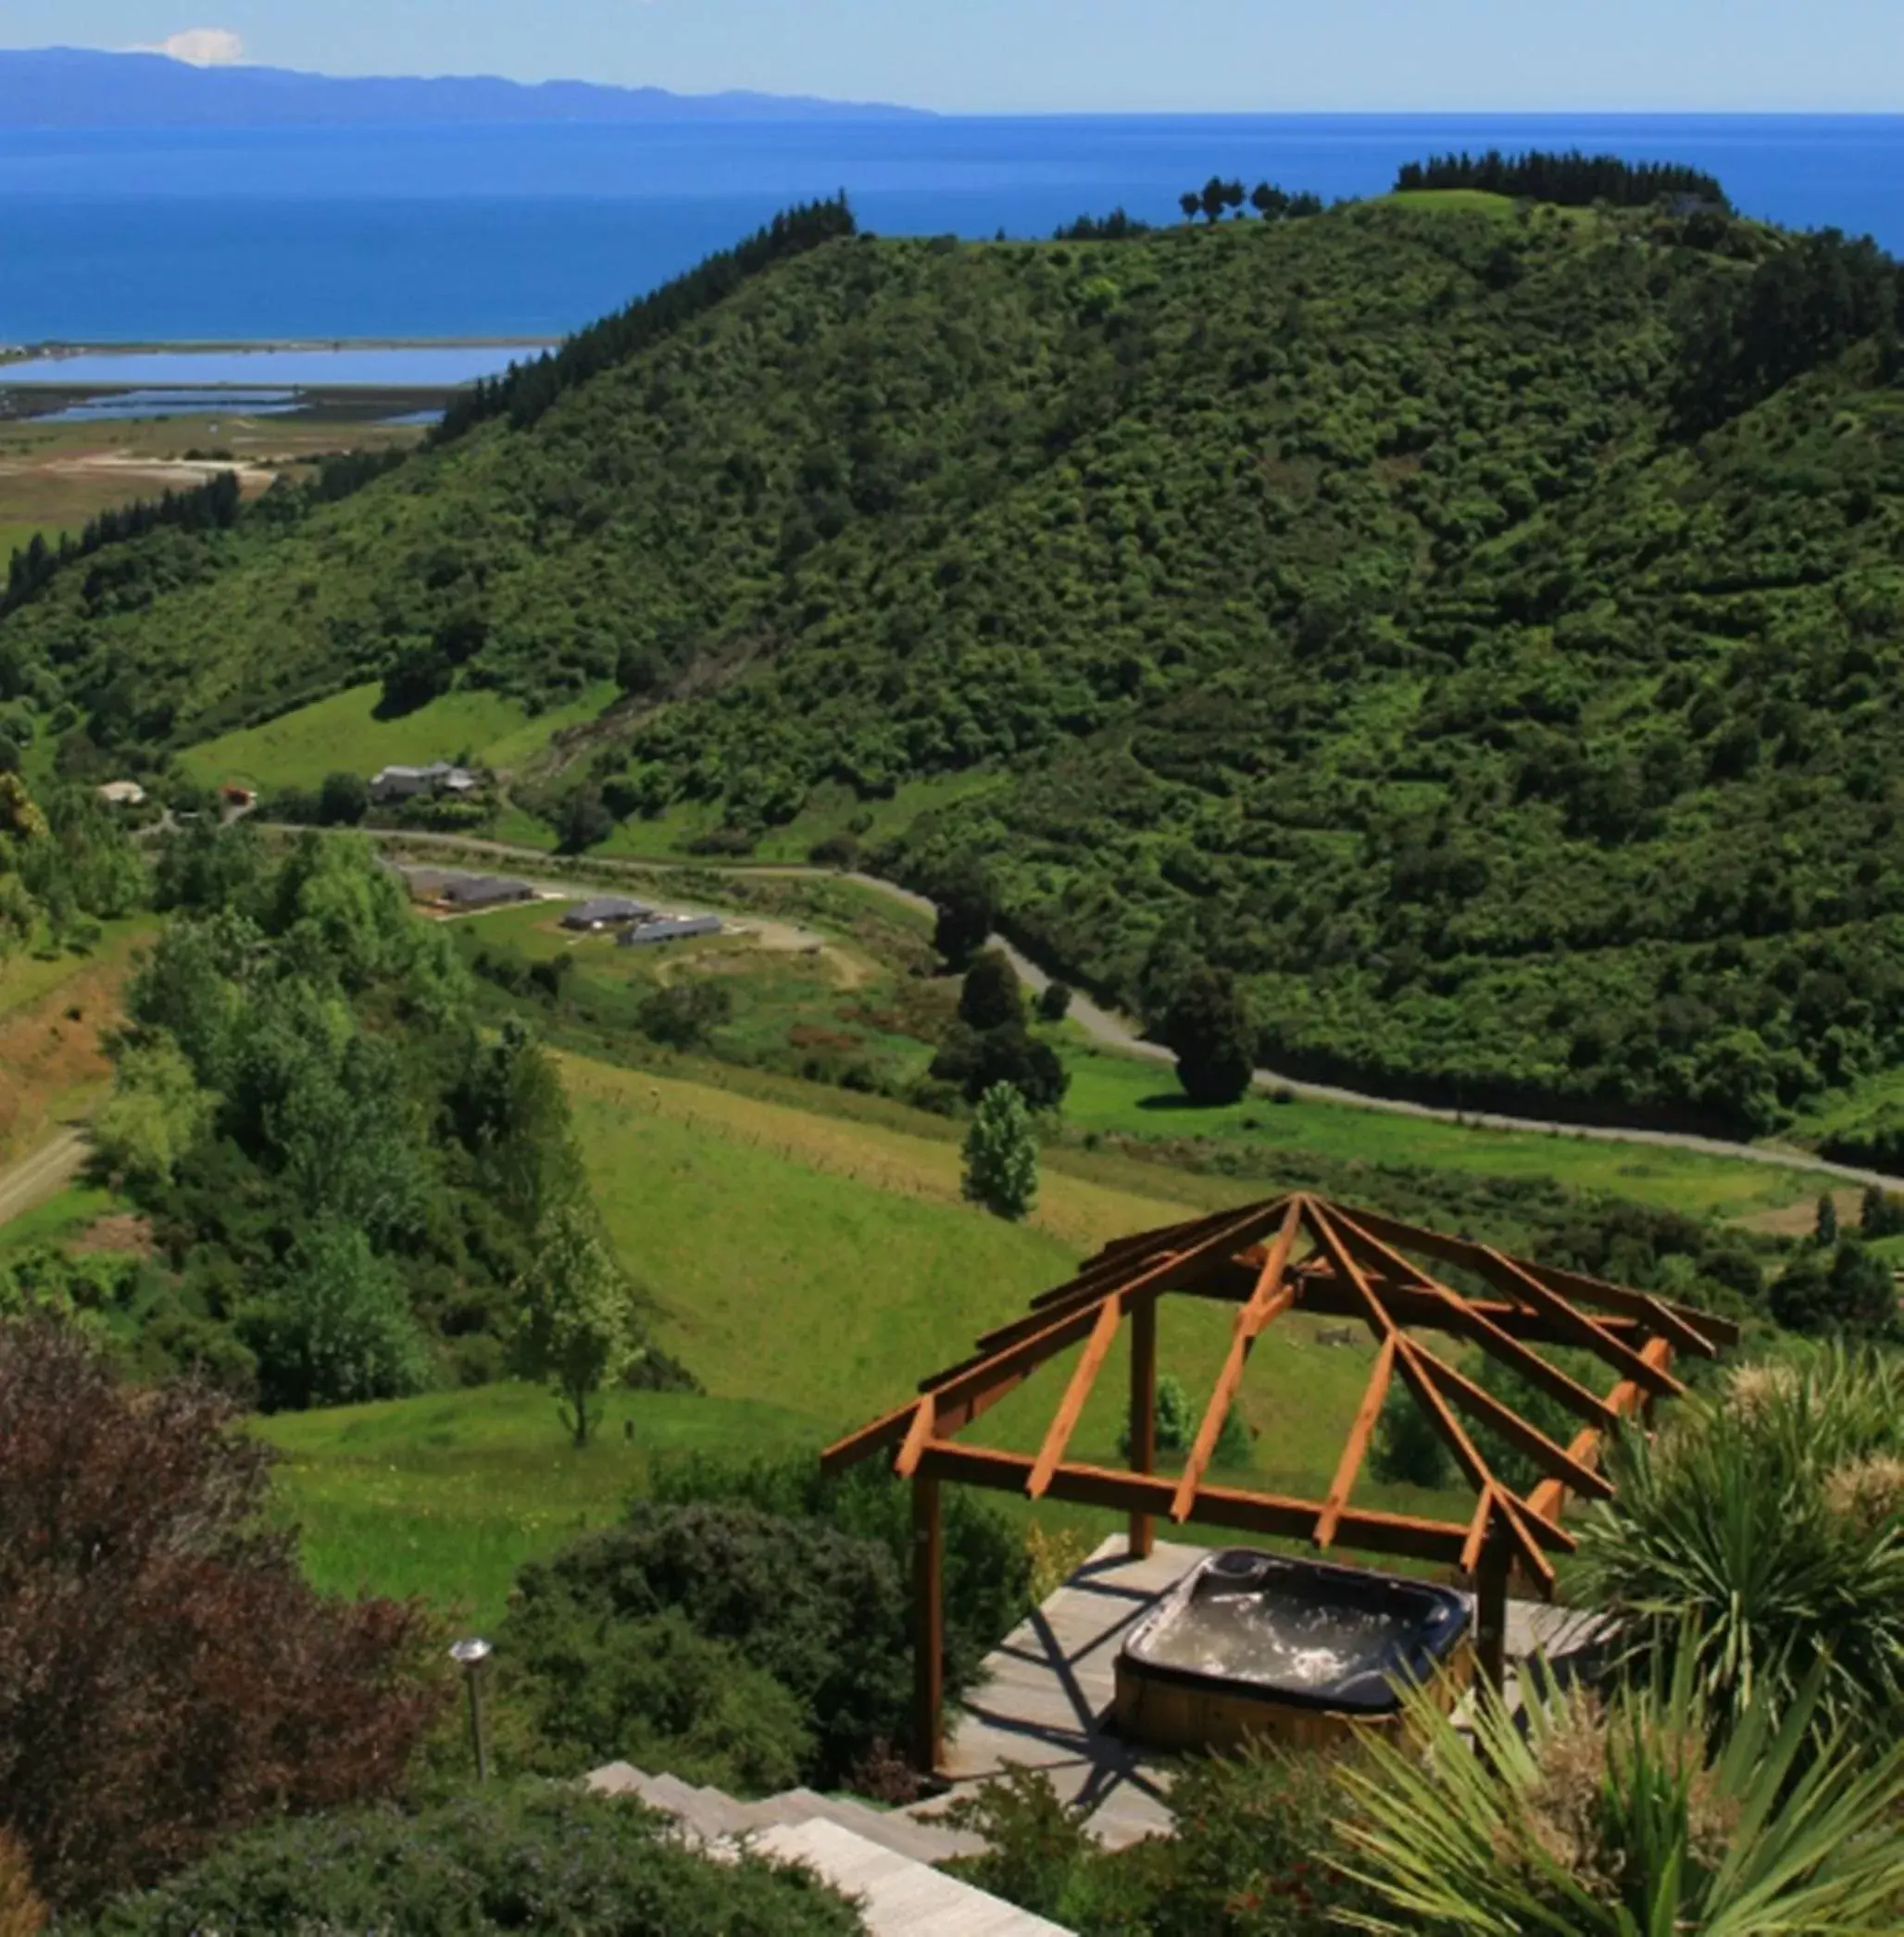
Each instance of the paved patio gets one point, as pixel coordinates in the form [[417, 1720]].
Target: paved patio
[[1051, 1684]]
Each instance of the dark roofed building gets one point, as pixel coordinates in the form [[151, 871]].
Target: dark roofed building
[[607, 911], [670, 928], [485, 891]]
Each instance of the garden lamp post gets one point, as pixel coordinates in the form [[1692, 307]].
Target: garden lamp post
[[470, 1654]]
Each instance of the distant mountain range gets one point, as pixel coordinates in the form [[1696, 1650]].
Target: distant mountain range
[[69, 87]]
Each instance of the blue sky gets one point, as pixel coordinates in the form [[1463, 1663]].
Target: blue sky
[[1023, 56]]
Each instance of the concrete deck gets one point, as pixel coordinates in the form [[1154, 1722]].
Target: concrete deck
[[1051, 1684]]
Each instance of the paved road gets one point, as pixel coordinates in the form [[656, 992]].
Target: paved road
[[1114, 1031], [29, 1183]]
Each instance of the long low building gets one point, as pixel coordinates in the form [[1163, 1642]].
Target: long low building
[[670, 928], [483, 891], [607, 911]]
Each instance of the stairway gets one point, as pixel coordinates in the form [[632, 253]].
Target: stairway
[[882, 1859]]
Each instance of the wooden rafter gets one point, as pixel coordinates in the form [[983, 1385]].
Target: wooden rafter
[[1355, 1448], [1064, 1422], [1271, 1299], [1363, 1266]]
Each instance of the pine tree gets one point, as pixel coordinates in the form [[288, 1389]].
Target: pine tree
[[1001, 1154], [1826, 1234]]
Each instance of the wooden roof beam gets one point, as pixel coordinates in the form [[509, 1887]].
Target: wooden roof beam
[[1711, 1330], [1461, 1313], [1271, 1299], [1270, 1515], [1550, 1498], [1064, 1422], [1513, 1277], [1355, 1449]]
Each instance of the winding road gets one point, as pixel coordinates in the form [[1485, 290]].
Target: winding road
[[1111, 1031]]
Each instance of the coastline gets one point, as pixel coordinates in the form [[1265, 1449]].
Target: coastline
[[301, 345]]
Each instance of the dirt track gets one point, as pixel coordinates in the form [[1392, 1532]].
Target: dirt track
[[42, 1175]]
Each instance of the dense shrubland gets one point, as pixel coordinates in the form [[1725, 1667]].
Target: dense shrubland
[[540, 1862], [348, 1183], [1468, 625], [745, 1626]]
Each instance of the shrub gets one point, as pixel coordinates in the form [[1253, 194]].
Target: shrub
[[344, 799], [1257, 1851], [990, 998], [22, 1913], [1001, 1154], [1852, 1293], [653, 1691], [684, 1016], [967, 909], [1648, 1811], [988, 1568], [1209, 1029], [165, 1674], [547, 1861], [979, 1060], [1766, 1516], [1054, 1002], [822, 1613], [1176, 1423]]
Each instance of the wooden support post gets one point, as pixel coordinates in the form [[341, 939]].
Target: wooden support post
[[1491, 1611], [928, 1627], [1142, 1414]]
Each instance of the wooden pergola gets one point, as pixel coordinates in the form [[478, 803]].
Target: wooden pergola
[[1298, 1253]]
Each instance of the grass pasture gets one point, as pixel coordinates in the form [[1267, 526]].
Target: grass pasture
[[448, 1496], [1126, 1096], [342, 734]]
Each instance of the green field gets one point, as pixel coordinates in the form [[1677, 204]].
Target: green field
[[342, 733], [809, 1269], [448, 1496], [26, 978], [1124, 1096]]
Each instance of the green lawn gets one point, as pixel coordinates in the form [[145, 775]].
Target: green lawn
[[27, 979], [1136, 1098], [342, 734], [449, 1496]]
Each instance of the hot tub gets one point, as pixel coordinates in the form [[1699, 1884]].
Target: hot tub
[[1250, 1643]]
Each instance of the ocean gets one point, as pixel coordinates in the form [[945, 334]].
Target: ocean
[[528, 232]]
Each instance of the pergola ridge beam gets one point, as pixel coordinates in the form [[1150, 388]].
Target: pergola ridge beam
[[1271, 1297]]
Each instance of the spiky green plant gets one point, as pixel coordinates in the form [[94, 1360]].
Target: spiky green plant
[[1616, 1818], [1767, 1519]]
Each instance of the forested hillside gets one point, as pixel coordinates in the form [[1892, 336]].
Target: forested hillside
[[1476, 624]]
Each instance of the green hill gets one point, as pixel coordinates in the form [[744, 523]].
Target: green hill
[[1476, 624]]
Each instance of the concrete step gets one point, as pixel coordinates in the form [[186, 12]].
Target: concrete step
[[892, 1829], [898, 1897]]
